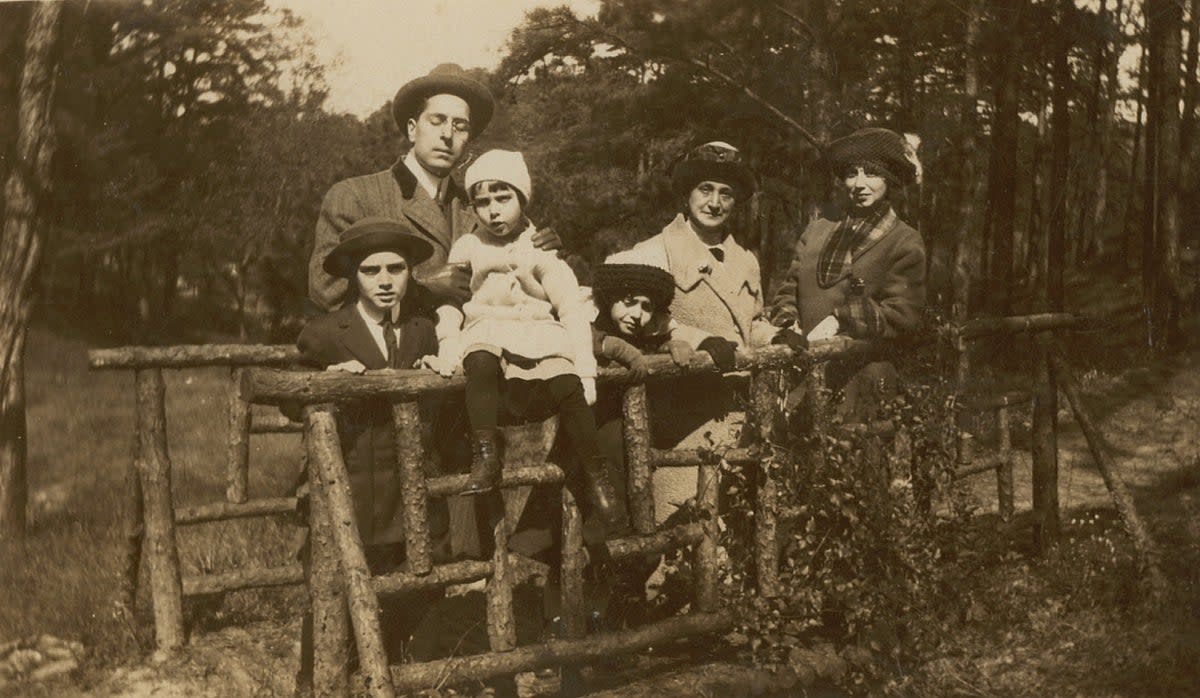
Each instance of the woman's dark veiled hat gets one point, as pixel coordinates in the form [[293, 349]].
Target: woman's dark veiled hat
[[447, 78], [375, 234], [880, 148], [713, 162]]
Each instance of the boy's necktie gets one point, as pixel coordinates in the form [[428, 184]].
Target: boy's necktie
[[389, 340]]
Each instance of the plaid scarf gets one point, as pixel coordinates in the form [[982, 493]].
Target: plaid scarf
[[852, 235]]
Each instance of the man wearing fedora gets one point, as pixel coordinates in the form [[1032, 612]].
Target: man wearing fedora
[[439, 114]]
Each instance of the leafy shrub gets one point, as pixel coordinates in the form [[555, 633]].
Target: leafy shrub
[[864, 523]]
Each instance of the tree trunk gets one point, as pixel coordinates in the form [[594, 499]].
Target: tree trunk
[[1056, 232], [1035, 230], [1003, 176], [20, 250], [13, 18], [1128, 230], [960, 275], [1166, 284], [1187, 132]]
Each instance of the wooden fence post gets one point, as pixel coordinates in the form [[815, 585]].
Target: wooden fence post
[[327, 594], [1045, 448], [706, 598], [154, 465], [238, 453], [501, 623], [764, 396], [637, 459], [414, 490], [134, 533], [325, 451], [1004, 469]]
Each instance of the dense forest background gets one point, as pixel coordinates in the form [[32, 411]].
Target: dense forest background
[[194, 147]]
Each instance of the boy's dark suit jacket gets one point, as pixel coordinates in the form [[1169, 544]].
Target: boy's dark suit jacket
[[365, 427]]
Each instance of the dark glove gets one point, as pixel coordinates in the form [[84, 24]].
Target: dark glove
[[722, 352], [639, 368], [450, 282], [547, 239], [782, 315], [792, 339]]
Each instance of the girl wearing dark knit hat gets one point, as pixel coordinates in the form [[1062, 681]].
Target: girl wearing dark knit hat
[[860, 273], [634, 304]]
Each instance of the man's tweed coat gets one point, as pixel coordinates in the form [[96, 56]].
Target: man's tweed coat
[[392, 193]]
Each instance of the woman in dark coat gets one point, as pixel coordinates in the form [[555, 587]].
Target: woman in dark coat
[[860, 272]]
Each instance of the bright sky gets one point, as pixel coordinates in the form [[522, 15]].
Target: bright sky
[[372, 47]]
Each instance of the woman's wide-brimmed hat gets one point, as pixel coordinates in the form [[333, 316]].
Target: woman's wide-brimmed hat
[[447, 78], [880, 148], [713, 162], [623, 275], [375, 234]]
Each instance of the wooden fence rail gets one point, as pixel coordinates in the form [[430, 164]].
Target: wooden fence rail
[[344, 594]]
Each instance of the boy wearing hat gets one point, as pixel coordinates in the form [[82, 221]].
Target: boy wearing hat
[[379, 327], [438, 114]]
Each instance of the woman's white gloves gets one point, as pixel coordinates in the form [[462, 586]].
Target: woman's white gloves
[[825, 329]]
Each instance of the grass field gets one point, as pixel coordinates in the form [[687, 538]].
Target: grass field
[[64, 579]]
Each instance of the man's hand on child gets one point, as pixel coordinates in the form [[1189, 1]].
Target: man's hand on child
[[681, 351], [451, 282], [589, 390], [547, 239], [351, 366]]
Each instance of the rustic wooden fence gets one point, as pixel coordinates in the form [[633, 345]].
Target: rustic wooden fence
[[344, 595]]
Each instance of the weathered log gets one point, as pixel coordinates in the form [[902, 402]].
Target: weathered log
[[688, 457], [1142, 542], [154, 466], [1046, 524], [573, 611], [196, 585], [501, 623], [195, 355], [1004, 469], [134, 530], [440, 576], [990, 326], [547, 474], [223, 511], [325, 452], [238, 453], [656, 543], [982, 464], [275, 424], [638, 459], [419, 550], [274, 386], [327, 596], [765, 390], [414, 677], [706, 598]]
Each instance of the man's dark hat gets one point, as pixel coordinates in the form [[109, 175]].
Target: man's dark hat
[[612, 282], [447, 78], [713, 162], [880, 148], [375, 234]]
